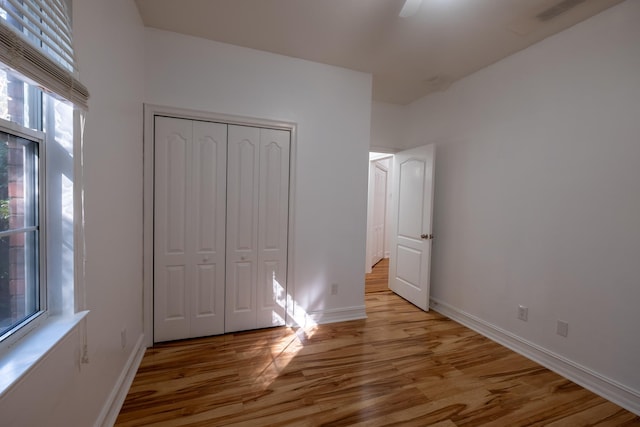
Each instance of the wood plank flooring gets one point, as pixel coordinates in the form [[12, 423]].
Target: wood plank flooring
[[378, 279], [399, 367]]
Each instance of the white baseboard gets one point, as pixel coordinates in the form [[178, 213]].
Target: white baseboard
[[337, 315], [587, 378], [111, 408]]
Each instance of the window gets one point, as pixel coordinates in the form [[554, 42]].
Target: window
[[36, 154], [22, 287], [41, 104]]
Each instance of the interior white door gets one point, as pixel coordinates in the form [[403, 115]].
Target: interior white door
[[189, 237], [379, 211], [257, 225], [412, 207]]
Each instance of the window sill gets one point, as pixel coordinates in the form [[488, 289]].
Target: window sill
[[17, 360]]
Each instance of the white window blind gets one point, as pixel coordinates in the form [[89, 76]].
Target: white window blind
[[36, 40]]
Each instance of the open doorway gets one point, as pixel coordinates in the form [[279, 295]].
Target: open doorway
[[378, 226], [408, 219]]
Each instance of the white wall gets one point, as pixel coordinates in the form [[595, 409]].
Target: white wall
[[388, 123], [110, 46], [331, 107], [59, 391], [537, 193]]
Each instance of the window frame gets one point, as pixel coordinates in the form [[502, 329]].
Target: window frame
[[26, 325], [61, 206]]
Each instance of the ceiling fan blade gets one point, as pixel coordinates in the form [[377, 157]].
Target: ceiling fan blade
[[410, 8]]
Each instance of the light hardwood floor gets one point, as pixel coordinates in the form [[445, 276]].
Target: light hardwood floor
[[378, 279], [399, 367]]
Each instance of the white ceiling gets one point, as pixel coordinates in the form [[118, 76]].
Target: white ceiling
[[408, 57]]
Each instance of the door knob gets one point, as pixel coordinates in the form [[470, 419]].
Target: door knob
[[427, 236]]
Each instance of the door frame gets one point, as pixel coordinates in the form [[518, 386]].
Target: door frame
[[370, 205], [152, 110]]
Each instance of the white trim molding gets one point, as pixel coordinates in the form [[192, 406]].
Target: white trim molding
[[337, 315], [113, 404], [585, 377], [379, 149]]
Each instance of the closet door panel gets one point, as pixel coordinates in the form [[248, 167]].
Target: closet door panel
[[173, 287], [205, 293], [242, 227], [273, 220], [171, 259], [243, 280], [209, 185], [189, 230], [271, 291], [207, 227]]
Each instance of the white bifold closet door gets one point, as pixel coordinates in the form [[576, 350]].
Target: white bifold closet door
[[221, 221], [189, 228], [257, 222]]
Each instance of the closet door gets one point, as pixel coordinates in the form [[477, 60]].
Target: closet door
[[208, 219], [189, 238], [257, 218], [273, 225]]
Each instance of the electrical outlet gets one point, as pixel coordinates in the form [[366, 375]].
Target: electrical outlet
[[123, 337], [523, 313], [334, 289], [563, 328]]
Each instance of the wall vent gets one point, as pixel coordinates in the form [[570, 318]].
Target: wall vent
[[558, 9]]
